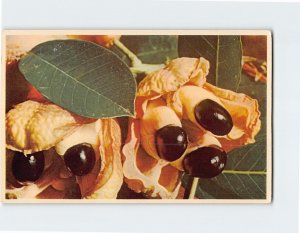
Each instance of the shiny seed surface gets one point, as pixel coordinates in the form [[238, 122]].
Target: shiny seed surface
[[28, 168], [205, 162], [171, 142], [213, 117], [80, 159]]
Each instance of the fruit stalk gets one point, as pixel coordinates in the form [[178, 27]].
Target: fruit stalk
[[194, 187], [191, 187], [137, 65]]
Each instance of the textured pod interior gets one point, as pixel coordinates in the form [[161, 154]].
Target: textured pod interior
[[155, 178], [32, 126], [245, 115], [154, 119], [110, 179]]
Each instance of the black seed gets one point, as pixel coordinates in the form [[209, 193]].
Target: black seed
[[28, 168], [205, 162], [80, 159], [171, 142], [213, 117]]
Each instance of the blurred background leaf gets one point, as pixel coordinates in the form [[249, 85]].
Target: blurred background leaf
[[16, 86], [152, 49], [224, 54]]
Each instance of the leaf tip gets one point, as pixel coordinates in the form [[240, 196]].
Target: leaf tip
[[130, 113]]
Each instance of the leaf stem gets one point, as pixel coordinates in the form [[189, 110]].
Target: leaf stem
[[135, 61], [194, 188], [244, 172], [146, 68], [137, 65]]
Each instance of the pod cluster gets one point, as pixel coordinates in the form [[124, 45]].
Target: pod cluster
[[171, 141]]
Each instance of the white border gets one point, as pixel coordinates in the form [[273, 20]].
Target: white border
[[280, 216]]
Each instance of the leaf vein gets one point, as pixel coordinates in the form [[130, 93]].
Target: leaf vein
[[61, 51], [207, 41], [245, 188], [257, 185], [244, 172], [62, 89], [70, 58], [232, 188], [90, 89], [244, 156], [86, 61], [96, 68]]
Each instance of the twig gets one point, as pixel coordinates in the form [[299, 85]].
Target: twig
[[194, 188], [135, 61], [137, 65], [191, 187]]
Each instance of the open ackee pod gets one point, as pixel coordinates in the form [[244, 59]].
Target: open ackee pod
[[173, 91], [34, 125]]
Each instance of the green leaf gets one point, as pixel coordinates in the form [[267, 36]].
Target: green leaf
[[232, 186], [115, 49], [224, 54], [152, 49], [244, 176], [82, 77]]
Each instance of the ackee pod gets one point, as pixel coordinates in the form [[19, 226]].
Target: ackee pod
[[205, 162], [213, 117], [171, 142], [28, 168]]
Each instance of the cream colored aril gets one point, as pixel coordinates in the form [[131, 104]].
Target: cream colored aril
[[154, 119], [87, 133], [186, 98]]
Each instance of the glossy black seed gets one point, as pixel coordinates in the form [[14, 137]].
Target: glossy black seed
[[80, 159], [171, 142], [205, 162], [28, 168], [213, 117]]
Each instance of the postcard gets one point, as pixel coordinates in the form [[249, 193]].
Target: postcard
[[136, 116]]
